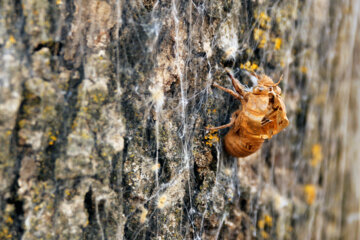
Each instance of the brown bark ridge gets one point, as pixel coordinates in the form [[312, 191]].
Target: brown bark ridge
[[104, 104]]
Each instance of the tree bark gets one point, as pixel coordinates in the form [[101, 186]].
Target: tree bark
[[104, 105]]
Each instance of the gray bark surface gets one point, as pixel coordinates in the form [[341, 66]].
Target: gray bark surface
[[104, 104]]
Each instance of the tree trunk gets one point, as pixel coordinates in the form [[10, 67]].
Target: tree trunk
[[104, 105]]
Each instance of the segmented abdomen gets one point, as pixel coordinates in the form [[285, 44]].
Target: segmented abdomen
[[242, 144]]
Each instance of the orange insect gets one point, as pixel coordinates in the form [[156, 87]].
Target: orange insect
[[261, 116]]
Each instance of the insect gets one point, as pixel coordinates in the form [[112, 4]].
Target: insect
[[262, 114]]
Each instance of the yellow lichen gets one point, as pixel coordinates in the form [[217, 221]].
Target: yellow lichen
[[12, 39], [98, 97], [258, 33], [211, 138], [37, 208], [264, 235], [316, 155], [10, 42], [48, 109], [9, 220], [249, 66], [85, 224], [4, 233], [67, 192], [264, 20], [277, 43], [268, 220], [260, 36], [95, 98], [22, 123], [209, 111], [310, 193], [263, 41], [282, 63], [85, 135], [303, 69], [261, 224]]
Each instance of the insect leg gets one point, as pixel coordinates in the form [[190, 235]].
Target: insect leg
[[232, 121], [232, 93], [221, 127], [281, 78], [236, 84]]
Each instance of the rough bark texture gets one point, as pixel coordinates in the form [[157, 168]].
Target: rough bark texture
[[104, 104]]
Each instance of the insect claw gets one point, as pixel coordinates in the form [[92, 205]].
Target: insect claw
[[281, 78], [220, 127], [239, 89]]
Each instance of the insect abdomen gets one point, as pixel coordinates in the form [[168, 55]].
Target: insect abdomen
[[241, 145]]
